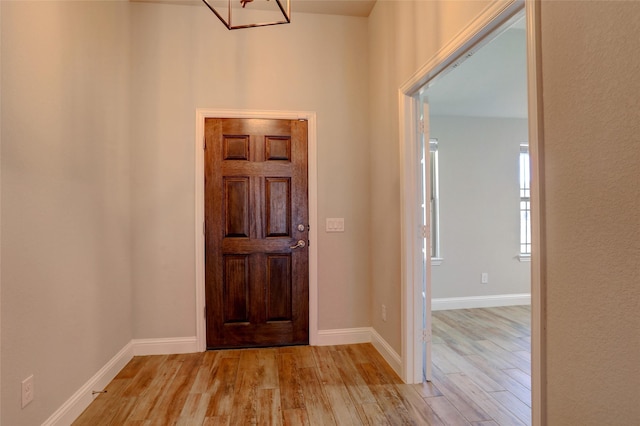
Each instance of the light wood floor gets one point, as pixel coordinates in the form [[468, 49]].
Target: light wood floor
[[481, 377]]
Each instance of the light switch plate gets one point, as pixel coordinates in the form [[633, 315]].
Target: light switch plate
[[335, 224]]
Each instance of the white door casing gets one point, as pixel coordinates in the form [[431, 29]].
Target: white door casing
[[203, 113]]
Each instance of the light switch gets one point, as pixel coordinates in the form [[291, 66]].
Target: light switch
[[335, 224]]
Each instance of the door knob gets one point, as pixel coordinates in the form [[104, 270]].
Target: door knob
[[299, 244]]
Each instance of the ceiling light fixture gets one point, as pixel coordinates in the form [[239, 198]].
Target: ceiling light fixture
[[234, 15]]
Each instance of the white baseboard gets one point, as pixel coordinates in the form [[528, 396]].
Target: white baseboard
[[480, 301], [387, 352], [343, 336], [166, 346], [79, 401], [350, 336]]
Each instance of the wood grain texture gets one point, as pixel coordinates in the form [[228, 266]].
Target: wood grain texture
[[256, 196], [332, 385]]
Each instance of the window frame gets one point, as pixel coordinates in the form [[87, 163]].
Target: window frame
[[524, 189]]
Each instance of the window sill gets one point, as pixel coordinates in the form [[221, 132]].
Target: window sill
[[524, 258], [436, 261]]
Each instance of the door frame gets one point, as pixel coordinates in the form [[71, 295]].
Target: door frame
[[201, 115], [494, 16]]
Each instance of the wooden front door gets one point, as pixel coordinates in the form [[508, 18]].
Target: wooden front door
[[256, 232]]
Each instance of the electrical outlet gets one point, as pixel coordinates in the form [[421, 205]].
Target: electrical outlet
[[484, 278], [27, 391], [383, 312]]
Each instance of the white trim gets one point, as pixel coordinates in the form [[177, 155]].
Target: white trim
[[493, 301], [80, 400], [411, 248], [538, 222], [464, 41], [436, 261], [351, 336], [474, 35], [343, 336], [524, 258], [201, 114], [165, 346], [384, 348]]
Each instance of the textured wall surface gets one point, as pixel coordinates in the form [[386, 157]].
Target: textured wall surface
[[592, 144], [402, 37], [479, 206], [184, 59], [66, 285]]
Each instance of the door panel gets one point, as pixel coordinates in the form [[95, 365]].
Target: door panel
[[236, 207], [278, 287], [255, 201], [278, 206]]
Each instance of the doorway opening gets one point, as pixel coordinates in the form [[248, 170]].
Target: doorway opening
[[415, 135], [310, 118]]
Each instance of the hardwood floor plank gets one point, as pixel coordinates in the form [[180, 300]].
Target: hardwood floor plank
[[295, 417], [244, 409], [463, 403], [304, 356], [520, 376], [427, 389], [419, 412], [204, 378], [175, 395], [462, 365], [290, 390], [445, 410], [486, 381], [145, 376], [318, 408], [221, 389], [195, 407], [151, 397], [268, 407], [328, 371], [513, 404], [133, 367], [343, 407], [507, 382], [216, 421], [372, 415], [357, 387], [386, 395], [496, 410]]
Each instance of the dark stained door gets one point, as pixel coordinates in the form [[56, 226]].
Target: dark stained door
[[256, 232]]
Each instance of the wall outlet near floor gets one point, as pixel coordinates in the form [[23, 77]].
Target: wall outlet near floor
[[383, 313], [27, 391], [484, 278]]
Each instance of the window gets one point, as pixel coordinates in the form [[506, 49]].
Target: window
[[431, 197], [525, 202], [434, 199]]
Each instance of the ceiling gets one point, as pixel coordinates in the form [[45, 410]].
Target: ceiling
[[328, 7], [490, 83]]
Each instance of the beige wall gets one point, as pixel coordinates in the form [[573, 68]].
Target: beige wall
[[479, 198], [592, 143], [66, 286], [403, 35], [185, 59]]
